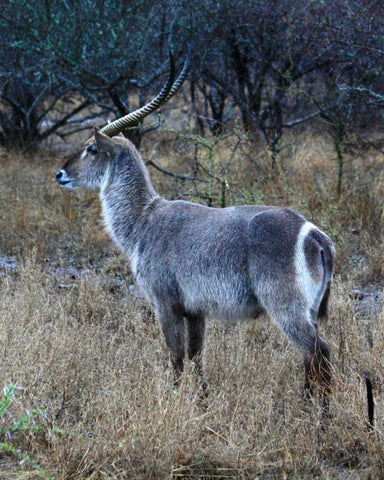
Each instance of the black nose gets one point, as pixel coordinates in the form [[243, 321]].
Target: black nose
[[59, 174]]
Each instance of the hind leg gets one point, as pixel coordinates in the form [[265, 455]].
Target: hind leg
[[318, 371], [303, 334]]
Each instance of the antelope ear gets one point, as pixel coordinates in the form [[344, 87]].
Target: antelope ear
[[105, 143]]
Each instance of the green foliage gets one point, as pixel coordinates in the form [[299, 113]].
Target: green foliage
[[25, 424], [206, 154]]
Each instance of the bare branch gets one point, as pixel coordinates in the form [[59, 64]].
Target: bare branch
[[63, 120], [180, 176], [361, 89], [297, 121]]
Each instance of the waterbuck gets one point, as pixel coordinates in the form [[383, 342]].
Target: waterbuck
[[193, 262]]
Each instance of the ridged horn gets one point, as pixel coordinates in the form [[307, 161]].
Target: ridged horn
[[168, 91], [183, 75]]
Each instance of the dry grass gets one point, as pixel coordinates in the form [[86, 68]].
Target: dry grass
[[94, 396]]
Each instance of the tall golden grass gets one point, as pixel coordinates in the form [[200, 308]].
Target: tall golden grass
[[88, 391]]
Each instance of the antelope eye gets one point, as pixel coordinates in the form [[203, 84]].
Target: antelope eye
[[91, 148]]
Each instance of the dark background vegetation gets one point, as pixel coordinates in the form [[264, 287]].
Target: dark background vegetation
[[283, 105], [277, 64]]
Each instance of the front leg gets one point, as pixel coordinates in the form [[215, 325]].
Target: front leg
[[173, 326], [196, 332]]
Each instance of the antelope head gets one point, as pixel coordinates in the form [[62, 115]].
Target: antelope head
[[89, 167]]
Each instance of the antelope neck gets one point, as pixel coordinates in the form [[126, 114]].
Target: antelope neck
[[124, 200]]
